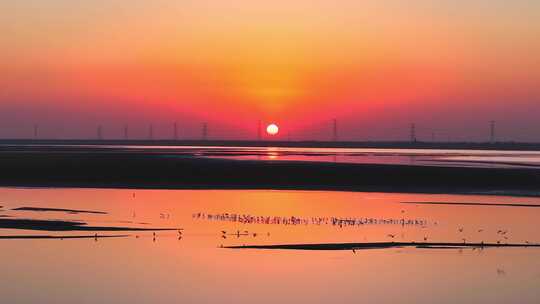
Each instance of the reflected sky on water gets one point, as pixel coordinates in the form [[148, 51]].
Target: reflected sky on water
[[193, 268]]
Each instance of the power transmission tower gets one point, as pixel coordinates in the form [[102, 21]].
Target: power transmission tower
[[126, 132], [205, 131], [335, 130], [175, 131], [413, 133], [151, 132], [36, 131], [99, 132], [492, 131], [259, 130]]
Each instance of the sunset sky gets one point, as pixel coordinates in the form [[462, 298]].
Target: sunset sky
[[376, 66]]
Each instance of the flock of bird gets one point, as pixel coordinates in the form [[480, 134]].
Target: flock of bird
[[334, 221], [500, 232], [238, 234], [340, 222]]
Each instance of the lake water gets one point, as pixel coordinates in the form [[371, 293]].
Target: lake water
[[192, 266]]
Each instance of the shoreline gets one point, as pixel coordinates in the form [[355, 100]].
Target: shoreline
[[383, 245], [503, 146]]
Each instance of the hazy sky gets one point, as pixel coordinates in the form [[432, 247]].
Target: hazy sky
[[377, 66]]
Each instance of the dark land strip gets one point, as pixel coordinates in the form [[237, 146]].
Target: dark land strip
[[27, 237], [521, 164], [473, 204], [57, 225], [503, 146], [39, 209], [380, 245], [168, 171]]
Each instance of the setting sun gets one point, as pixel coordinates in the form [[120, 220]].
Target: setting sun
[[272, 129]]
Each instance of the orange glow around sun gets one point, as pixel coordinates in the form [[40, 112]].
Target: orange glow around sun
[[302, 61]]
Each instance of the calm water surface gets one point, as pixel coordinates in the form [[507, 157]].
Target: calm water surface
[[193, 268], [425, 157]]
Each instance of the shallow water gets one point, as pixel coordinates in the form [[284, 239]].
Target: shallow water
[[425, 157], [191, 267]]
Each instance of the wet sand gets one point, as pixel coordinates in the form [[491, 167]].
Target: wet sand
[[153, 170]]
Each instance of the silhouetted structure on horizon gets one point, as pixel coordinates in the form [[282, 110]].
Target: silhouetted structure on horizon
[[99, 133], [413, 133], [205, 131], [492, 131], [126, 134]]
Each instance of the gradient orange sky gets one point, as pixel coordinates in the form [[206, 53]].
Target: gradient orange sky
[[377, 66]]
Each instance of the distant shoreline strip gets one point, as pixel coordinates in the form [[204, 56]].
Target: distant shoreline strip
[[26, 237], [473, 204], [59, 225], [39, 209], [383, 245]]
